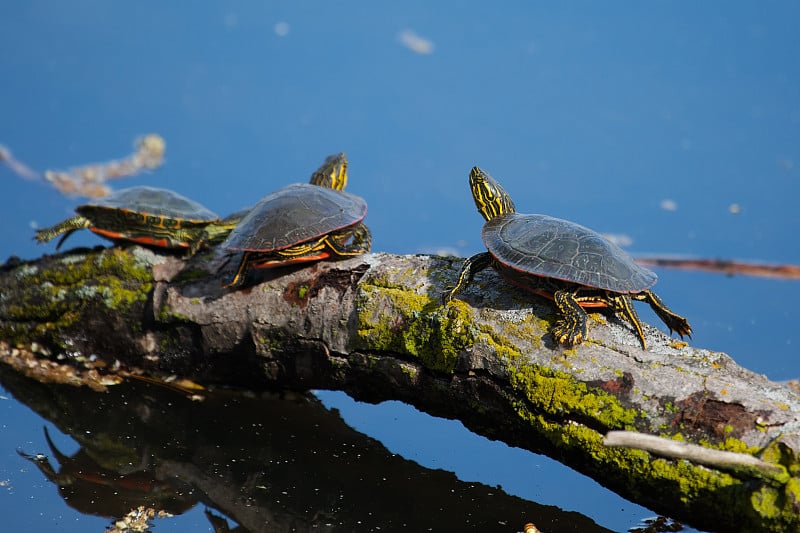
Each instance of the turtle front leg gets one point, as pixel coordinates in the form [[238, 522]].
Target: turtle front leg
[[471, 266], [360, 241], [623, 304], [199, 242], [571, 327], [674, 322], [66, 227]]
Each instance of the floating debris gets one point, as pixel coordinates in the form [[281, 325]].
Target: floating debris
[[620, 239], [415, 43], [282, 29], [658, 524], [669, 205], [443, 251], [90, 180], [34, 362], [16, 166], [137, 520]]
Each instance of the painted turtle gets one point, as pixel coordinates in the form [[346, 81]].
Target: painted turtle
[[568, 263], [145, 215], [302, 222]]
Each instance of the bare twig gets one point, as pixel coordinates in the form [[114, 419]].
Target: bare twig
[[721, 460]]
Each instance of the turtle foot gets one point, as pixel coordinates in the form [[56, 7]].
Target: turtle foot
[[569, 332]]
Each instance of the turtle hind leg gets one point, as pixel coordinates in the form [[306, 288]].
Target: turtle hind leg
[[674, 322], [67, 227], [571, 327], [623, 304], [241, 271], [471, 266]]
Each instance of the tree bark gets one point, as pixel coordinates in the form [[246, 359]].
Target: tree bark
[[374, 326]]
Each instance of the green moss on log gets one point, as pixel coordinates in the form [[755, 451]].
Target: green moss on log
[[397, 320], [51, 297]]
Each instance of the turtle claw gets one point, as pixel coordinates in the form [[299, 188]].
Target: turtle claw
[[681, 327], [675, 322], [447, 295], [568, 332]]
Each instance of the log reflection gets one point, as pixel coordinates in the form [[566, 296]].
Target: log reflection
[[265, 462]]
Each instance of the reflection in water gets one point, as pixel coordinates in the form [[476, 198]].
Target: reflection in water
[[82, 477], [263, 462]]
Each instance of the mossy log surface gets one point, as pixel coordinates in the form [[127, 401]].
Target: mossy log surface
[[374, 326]]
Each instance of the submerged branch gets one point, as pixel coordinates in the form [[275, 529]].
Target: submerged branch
[[728, 267]]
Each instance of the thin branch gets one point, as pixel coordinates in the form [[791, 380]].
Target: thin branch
[[719, 459], [724, 266]]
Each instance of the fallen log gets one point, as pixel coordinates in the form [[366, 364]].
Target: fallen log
[[374, 326]]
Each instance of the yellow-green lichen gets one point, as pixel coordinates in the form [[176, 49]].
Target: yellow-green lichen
[[573, 417], [167, 314], [271, 341], [302, 290], [777, 504], [396, 320], [778, 453], [560, 395], [771, 506], [556, 393], [501, 345], [671, 407], [52, 296], [765, 501]]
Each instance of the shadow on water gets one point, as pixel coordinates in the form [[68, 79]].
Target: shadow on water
[[266, 463]]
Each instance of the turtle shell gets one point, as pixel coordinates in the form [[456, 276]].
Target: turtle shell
[[293, 215], [550, 247], [152, 201]]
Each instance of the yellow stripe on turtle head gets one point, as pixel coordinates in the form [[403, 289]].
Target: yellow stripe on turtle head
[[490, 198], [332, 173]]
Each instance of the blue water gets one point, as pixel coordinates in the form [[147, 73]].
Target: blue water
[[595, 113]]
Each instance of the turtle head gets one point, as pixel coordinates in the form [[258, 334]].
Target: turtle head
[[332, 173], [490, 197]]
